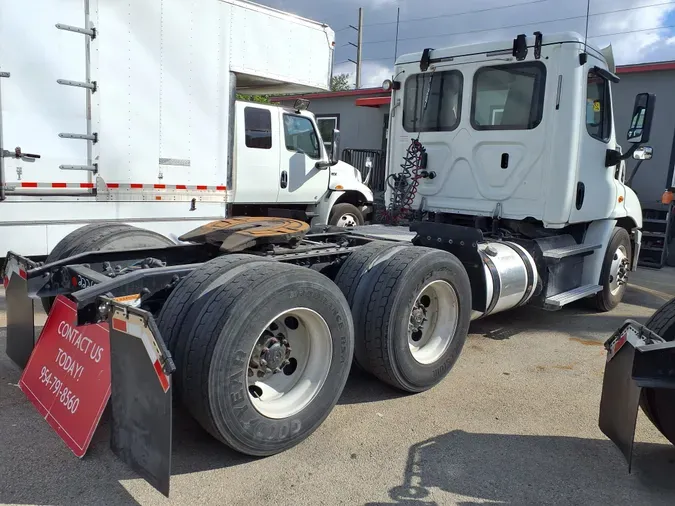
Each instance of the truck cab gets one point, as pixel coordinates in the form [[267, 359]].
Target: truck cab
[[282, 164], [516, 139]]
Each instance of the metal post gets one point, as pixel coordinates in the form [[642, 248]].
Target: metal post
[[2, 157], [88, 92], [229, 180], [359, 46]]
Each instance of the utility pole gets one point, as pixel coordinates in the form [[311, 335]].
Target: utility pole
[[358, 49], [398, 18], [358, 46]]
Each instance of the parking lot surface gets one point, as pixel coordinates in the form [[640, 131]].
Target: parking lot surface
[[514, 423]]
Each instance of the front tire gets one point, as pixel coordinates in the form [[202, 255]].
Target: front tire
[[346, 216], [614, 274], [279, 317]]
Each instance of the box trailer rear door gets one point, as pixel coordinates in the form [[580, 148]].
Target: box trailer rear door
[[44, 99]]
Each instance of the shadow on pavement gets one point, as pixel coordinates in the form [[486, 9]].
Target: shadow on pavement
[[520, 470], [49, 473], [362, 387], [576, 318]]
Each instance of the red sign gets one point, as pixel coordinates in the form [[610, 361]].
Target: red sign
[[68, 375]]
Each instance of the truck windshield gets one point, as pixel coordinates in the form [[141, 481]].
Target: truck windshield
[[442, 112]]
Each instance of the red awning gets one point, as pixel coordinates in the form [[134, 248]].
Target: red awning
[[372, 101]]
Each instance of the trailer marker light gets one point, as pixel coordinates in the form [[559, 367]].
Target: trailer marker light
[[5, 281], [620, 199], [73, 280], [22, 273], [339, 187], [667, 197]]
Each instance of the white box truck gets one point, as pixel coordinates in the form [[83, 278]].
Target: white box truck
[[513, 184], [126, 113]]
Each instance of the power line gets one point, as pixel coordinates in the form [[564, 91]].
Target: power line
[[591, 37], [452, 15], [501, 7], [522, 24]]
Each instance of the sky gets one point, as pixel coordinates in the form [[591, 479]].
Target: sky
[[639, 30]]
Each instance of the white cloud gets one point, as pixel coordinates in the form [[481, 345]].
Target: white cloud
[[373, 74], [451, 22]]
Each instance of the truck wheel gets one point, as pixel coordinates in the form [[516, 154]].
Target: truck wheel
[[352, 272], [181, 308], [65, 246], [659, 405], [614, 274], [268, 357], [416, 310], [345, 215]]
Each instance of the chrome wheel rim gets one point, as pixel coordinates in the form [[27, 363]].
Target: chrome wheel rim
[[289, 363], [618, 271], [347, 220], [433, 321]]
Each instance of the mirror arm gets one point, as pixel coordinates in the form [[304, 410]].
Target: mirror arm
[[613, 157], [629, 181], [321, 165]]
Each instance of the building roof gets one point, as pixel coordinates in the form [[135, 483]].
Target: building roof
[[646, 67], [375, 97], [361, 92]]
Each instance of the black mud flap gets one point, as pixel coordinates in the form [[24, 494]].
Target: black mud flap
[[637, 359], [20, 320], [141, 397]]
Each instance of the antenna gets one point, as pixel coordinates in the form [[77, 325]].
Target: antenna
[[583, 57]]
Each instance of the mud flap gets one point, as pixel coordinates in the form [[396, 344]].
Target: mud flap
[[141, 397], [637, 359], [20, 319], [620, 399]]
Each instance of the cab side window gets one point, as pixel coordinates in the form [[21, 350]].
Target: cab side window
[[258, 125], [598, 109], [301, 136]]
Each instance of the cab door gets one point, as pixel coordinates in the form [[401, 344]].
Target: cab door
[[597, 190], [300, 181], [256, 178]]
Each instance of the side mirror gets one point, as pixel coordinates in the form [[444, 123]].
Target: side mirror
[[335, 147], [643, 153], [641, 122]]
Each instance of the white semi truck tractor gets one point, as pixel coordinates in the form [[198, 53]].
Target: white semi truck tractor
[[503, 161], [513, 164]]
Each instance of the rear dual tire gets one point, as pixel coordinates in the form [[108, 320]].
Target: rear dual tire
[[222, 326], [411, 309], [659, 404], [102, 237]]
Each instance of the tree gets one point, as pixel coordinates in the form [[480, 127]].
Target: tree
[[260, 99], [340, 82]]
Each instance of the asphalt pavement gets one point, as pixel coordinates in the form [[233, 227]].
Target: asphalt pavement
[[514, 423]]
